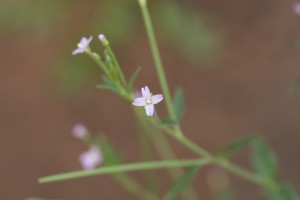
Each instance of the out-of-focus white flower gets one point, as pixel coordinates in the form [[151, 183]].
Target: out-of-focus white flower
[[92, 158], [79, 131], [148, 100], [296, 8], [83, 45]]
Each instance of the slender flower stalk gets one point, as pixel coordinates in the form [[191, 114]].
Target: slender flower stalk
[[177, 133], [163, 164], [158, 63]]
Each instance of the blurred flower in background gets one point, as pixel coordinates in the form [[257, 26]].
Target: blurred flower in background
[[79, 131], [92, 158], [296, 8]]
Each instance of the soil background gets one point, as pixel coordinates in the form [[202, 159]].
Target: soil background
[[244, 92]]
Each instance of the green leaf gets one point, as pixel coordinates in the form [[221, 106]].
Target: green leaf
[[264, 160], [181, 183], [178, 103], [238, 144], [133, 78], [104, 86], [168, 121], [108, 84], [110, 154], [282, 192]]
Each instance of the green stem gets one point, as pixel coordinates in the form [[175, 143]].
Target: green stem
[[98, 61], [165, 151], [177, 133], [157, 59], [252, 177], [115, 61], [146, 150], [126, 168]]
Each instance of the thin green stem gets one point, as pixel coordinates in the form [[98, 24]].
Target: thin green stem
[[226, 164], [98, 61], [165, 151], [115, 61], [126, 168], [157, 59], [252, 177], [146, 150], [177, 133]]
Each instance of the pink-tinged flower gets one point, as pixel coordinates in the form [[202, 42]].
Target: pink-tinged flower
[[91, 159], [148, 100], [79, 131], [296, 8], [83, 45]]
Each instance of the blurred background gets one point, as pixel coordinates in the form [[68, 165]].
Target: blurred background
[[236, 61]]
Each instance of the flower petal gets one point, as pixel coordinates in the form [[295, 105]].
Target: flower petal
[[77, 51], [147, 92], [139, 101], [83, 41], [88, 41], [157, 98], [149, 109]]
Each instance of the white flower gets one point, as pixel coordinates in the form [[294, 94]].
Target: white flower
[[79, 131], [148, 100], [91, 158], [83, 45]]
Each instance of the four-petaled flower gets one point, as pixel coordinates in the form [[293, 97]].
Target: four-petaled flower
[[92, 158], [83, 45], [148, 100]]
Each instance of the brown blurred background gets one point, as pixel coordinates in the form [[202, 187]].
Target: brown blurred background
[[236, 60]]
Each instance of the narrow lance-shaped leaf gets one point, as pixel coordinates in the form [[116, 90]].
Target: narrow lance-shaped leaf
[[178, 103], [108, 84], [282, 192], [168, 121], [180, 185], [133, 78], [111, 156], [238, 145], [264, 160]]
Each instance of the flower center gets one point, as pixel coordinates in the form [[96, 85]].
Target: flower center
[[149, 100]]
